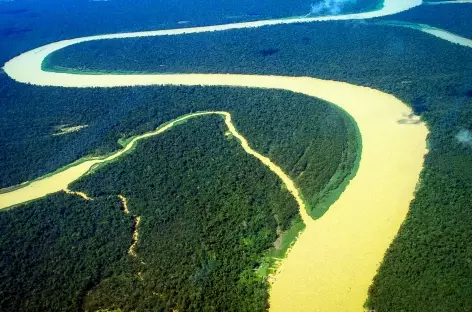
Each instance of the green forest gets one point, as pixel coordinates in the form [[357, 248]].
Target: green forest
[[299, 133], [454, 18], [209, 213], [427, 267], [310, 139], [53, 250], [26, 24]]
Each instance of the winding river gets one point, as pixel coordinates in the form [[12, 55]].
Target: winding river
[[431, 30], [332, 264], [447, 2]]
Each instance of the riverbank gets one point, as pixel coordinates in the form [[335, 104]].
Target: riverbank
[[334, 260]]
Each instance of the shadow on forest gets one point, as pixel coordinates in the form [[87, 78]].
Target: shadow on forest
[[13, 31]]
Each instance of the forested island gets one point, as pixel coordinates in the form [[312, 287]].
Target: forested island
[[431, 75], [311, 140]]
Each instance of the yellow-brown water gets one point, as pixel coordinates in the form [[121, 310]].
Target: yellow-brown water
[[334, 260]]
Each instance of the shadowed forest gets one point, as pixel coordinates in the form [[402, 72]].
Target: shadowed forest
[[25, 24], [454, 18]]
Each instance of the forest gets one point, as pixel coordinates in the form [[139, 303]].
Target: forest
[[299, 133], [427, 267], [330, 50], [25, 24], [454, 18], [53, 250], [208, 213], [310, 139]]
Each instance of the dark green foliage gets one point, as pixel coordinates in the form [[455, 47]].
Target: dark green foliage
[[53, 250], [288, 127], [30, 114], [25, 24], [428, 266], [432, 75], [208, 212], [455, 18], [306, 137], [289, 140], [368, 54]]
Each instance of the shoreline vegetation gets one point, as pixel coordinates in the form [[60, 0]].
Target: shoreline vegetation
[[46, 185], [434, 31], [321, 201], [218, 228], [454, 18], [9, 198], [341, 179]]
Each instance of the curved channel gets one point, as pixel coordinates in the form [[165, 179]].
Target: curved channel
[[447, 2], [334, 260], [60, 181], [436, 32]]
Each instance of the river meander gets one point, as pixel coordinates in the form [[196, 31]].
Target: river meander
[[332, 264]]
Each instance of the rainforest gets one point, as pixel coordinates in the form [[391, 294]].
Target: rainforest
[[287, 156]]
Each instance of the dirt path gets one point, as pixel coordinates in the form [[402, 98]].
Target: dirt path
[[132, 248], [136, 221]]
